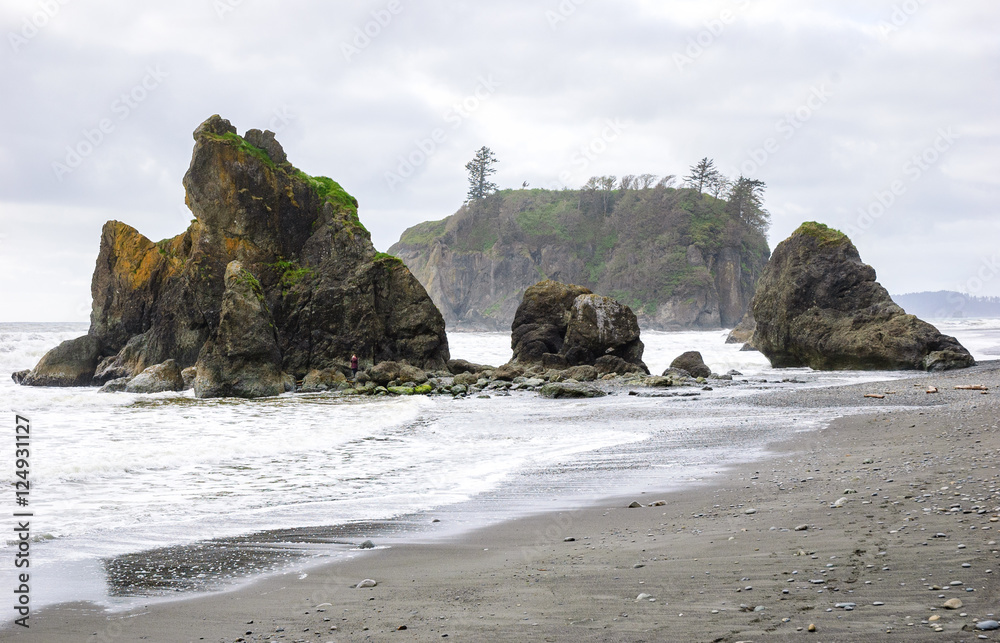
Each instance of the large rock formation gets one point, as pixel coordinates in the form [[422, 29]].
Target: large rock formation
[[540, 322], [242, 358], [817, 304], [329, 292], [680, 259], [559, 325]]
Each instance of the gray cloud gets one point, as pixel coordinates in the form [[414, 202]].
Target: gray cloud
[[687, 79]]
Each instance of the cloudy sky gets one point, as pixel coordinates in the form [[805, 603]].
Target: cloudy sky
[[881, 118]]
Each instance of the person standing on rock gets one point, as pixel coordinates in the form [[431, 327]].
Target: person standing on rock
[[354, 367]]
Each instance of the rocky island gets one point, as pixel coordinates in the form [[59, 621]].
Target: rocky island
[[818, 305], [308, 291], [680, 259]]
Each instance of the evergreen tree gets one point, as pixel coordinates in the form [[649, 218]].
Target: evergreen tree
[[480, 169], [746, 202], [720, 185], [703, 174]]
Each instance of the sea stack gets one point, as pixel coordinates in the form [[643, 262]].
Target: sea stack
[[818, 305], [328, 292], [561, 325]]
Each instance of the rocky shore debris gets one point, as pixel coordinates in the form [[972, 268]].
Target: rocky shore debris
[[692, 363], [157, 379], [818, 305], [566, 389]]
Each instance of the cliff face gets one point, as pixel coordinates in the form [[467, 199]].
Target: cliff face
[[328, 290], [673, 256]]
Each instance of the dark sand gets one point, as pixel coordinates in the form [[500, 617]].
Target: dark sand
[[757, 553]]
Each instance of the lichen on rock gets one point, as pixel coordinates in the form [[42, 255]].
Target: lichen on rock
[[330, 295]]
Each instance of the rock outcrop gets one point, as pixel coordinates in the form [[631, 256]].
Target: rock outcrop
[[71, 363], [692, 363], [330, 294], [322, 380], [679, 258], [157, 379], [742, 333], [540, 323], [385, 372], [559, 325], [817, 304], [242, 358]]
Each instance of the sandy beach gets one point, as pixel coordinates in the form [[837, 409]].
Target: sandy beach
[[860, 531]]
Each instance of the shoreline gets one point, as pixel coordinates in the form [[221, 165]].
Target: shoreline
[[521, 580]]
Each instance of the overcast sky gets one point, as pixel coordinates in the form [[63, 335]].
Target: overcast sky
[[881, 118]]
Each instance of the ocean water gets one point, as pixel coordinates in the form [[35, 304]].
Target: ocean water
[[118, 480]]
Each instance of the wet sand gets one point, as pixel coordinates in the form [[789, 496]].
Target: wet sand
[[863, 530]]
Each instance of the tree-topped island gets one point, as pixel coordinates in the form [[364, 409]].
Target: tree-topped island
[[677, 256]]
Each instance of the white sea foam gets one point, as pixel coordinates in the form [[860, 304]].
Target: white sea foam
[[120, 473]]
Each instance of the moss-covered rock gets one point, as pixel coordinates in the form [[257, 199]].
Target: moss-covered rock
[[385, 372], [818, 305], [329, 292]]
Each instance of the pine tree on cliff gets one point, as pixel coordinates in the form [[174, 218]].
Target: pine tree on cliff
[[703, 174], [746, 202], [480, 168]]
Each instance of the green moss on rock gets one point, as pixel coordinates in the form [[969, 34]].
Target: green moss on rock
[[387, 259], [241, 143], [821, 232]]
